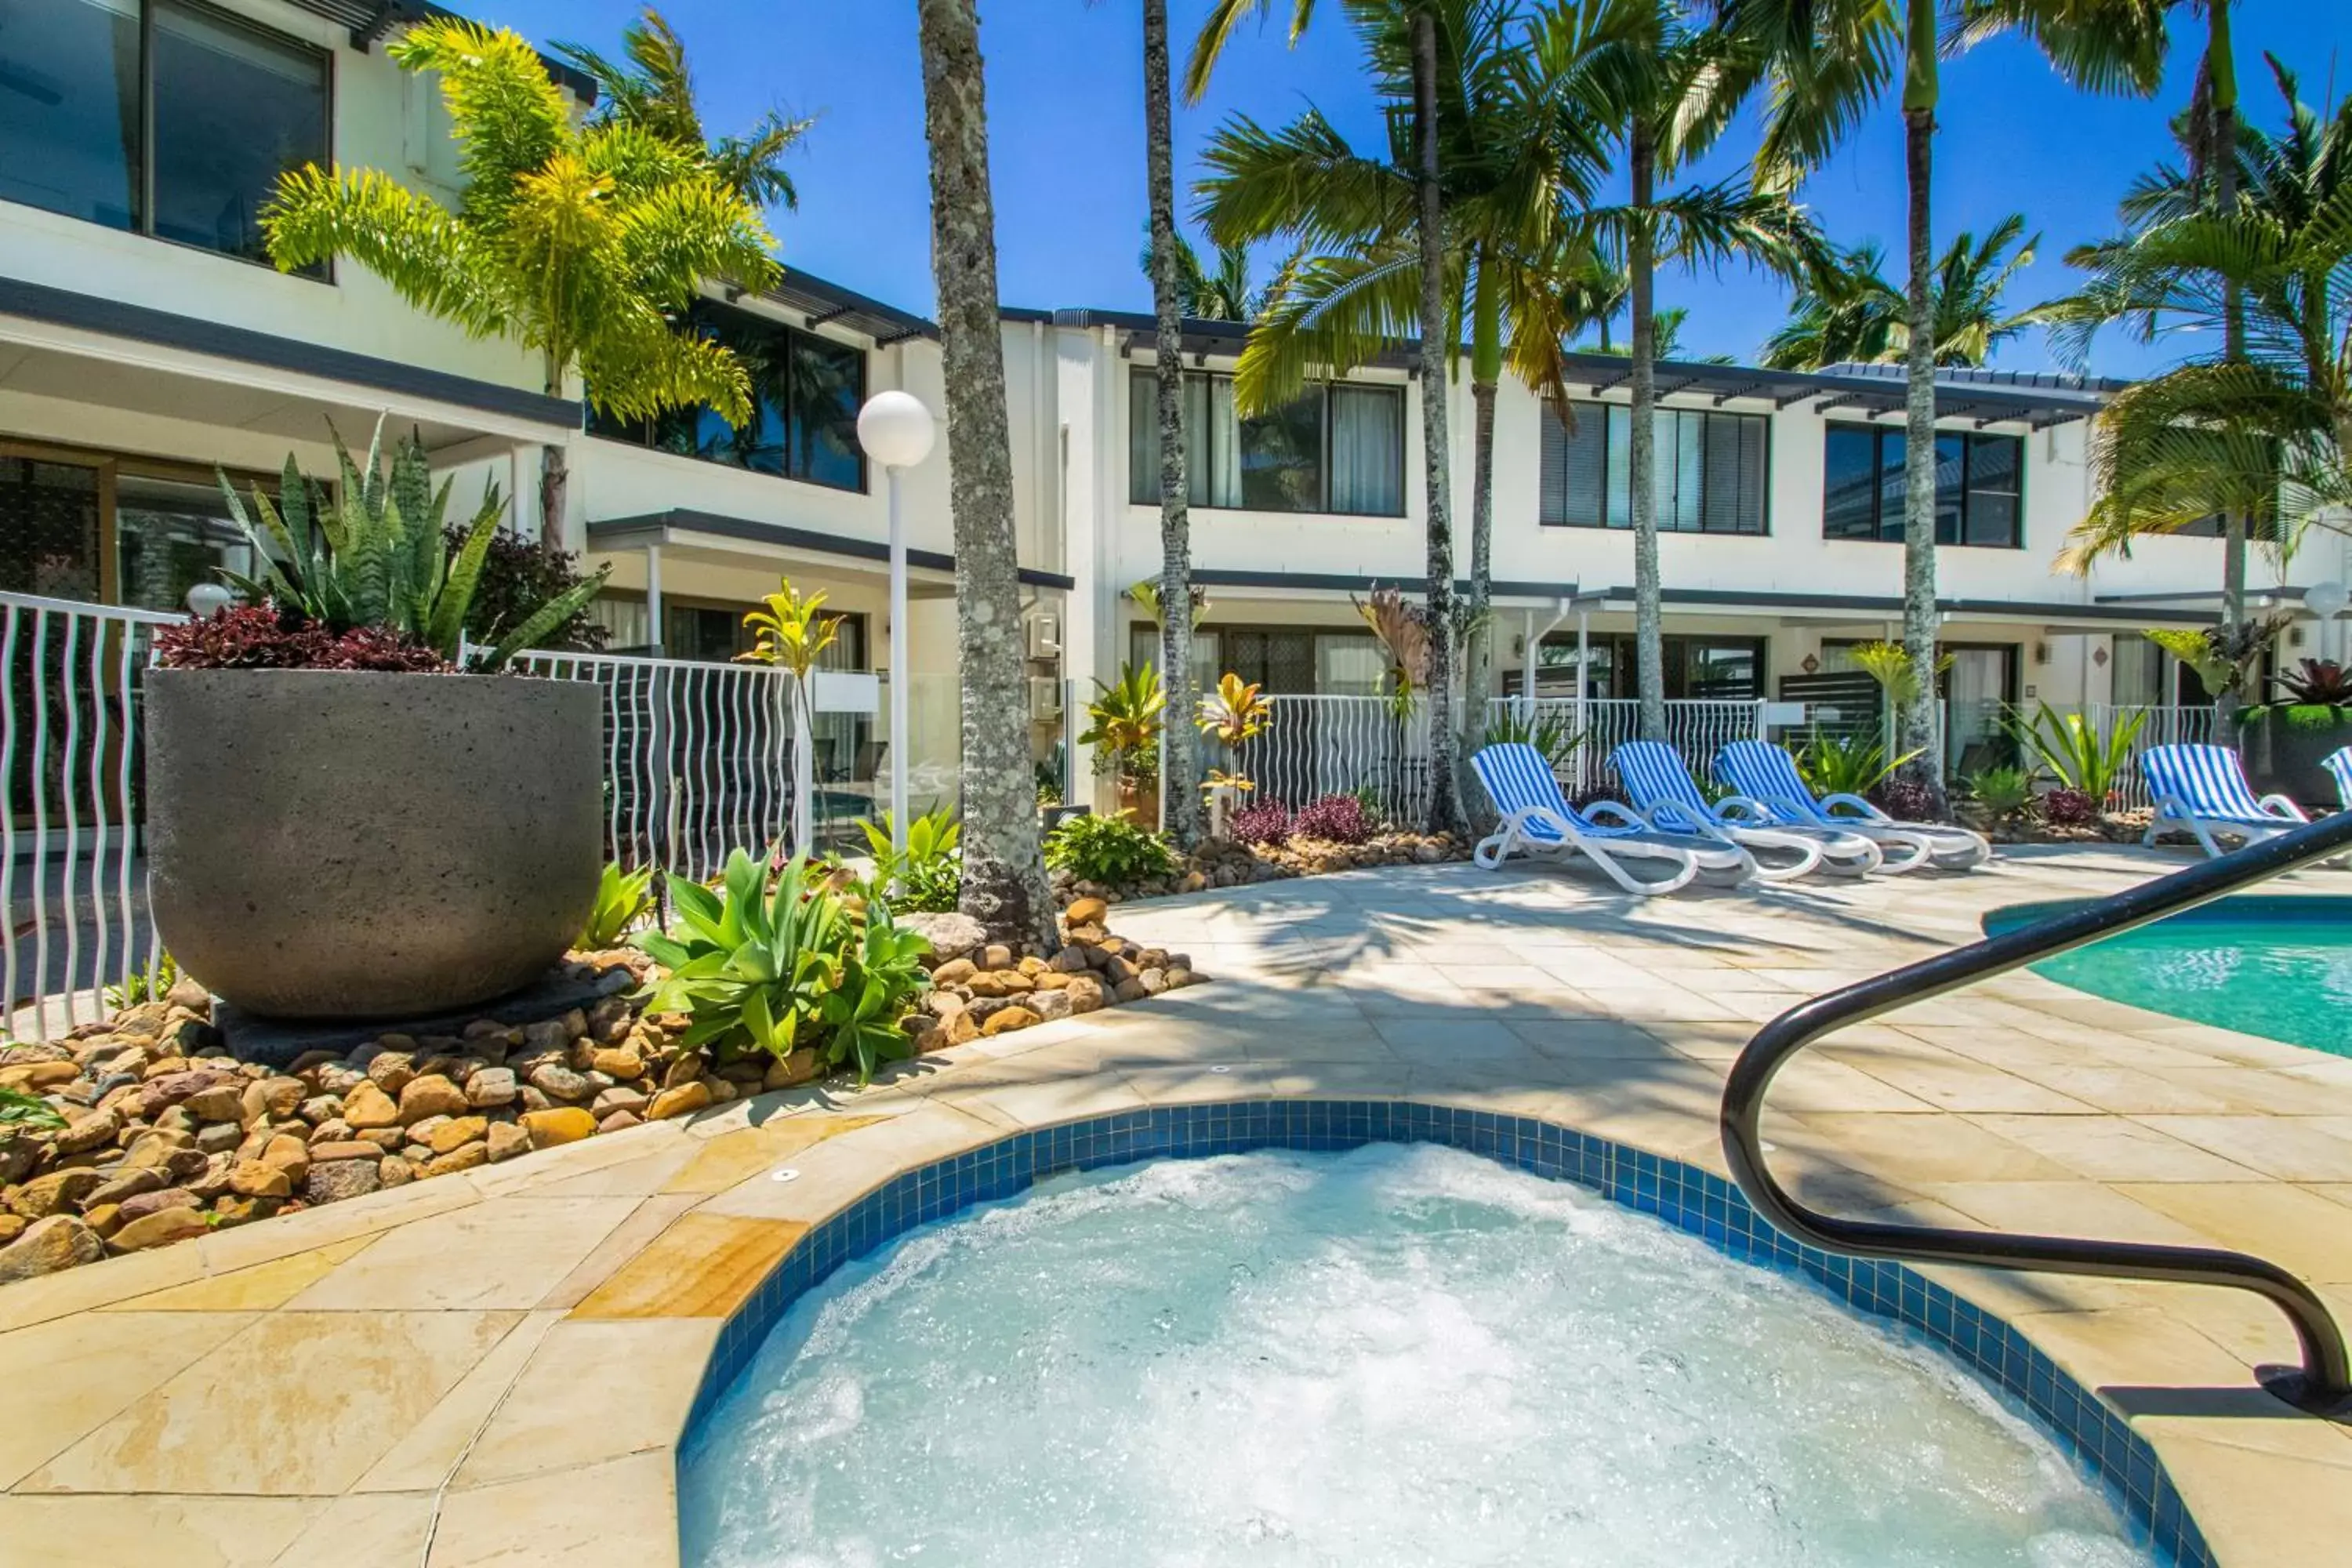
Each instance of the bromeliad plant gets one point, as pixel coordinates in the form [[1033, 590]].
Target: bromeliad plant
[[376, 559], [761, 969], [2078, 755]]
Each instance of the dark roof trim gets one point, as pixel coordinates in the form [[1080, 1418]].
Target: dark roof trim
[[1341, 582], [140, 323], [651, 528], [1766, 599], [819, 300]]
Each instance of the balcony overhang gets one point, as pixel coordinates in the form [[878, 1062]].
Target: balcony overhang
[[684, 535]]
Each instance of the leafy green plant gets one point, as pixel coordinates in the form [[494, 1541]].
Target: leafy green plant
[[1845, 765], [1551, 734], [2224, 657], [929, 875], [781, 968], [147, 984], [1047, 776], [622, 899], [380, 557], [2002, 792], [1124, 720], [19, 1108], [1401, 631], [1110, 850], [2076, 751], [1889, 664]]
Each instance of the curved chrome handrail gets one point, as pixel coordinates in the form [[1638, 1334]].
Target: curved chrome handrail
[[2322, 1385]]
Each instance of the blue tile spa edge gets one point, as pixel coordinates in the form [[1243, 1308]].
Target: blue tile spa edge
[[1683, 1195]]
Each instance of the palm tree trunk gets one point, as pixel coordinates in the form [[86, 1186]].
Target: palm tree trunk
[[1179, 743], [553, 474], [1003, 876], [2222, 84], [1920, 731], [1485, 374], [1649, 611], [1445, 751]]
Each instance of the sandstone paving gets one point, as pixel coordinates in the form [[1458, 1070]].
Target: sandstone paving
[[397, 1379]]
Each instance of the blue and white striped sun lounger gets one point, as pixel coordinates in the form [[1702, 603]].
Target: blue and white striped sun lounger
[[1766, 780], [1537, 819], [2202, 791], [1662, 788], [2338, 763]]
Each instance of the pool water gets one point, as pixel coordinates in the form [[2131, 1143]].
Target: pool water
[[1403, 1354], [2276, 966]]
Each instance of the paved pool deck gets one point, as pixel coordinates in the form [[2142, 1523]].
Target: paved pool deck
[[495, 1368]]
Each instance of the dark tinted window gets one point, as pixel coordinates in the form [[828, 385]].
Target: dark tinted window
[[803, 425], [235, 106], [1710, 470], [1337, 448], [1979, 484]]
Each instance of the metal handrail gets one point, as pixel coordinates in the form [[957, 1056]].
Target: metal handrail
[[2322, 1385]]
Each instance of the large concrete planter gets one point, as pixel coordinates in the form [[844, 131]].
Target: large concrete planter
[[333, 844], [2283, 746]]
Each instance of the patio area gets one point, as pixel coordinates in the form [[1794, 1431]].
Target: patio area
[[496, 1367]]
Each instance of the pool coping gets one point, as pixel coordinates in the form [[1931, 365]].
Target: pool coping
[[2120, 1463]]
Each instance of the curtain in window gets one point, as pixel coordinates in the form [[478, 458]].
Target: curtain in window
[[1621, 466], [1213, 441], [1367, 451], [1349, 664]]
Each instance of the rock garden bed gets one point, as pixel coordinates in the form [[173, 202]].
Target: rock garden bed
[[1225, 863], [168, 1137]]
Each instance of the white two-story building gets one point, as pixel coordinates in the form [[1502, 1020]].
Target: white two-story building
[[144, 340]]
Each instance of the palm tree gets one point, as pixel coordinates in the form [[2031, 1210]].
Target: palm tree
[[1672, 88], [655, 92], [1828, 62], [1004, 875], [2259, 432], [1225, 295], [1179, 761], [1667, 339], [584, 242], [1424, 38], [1850, 314]]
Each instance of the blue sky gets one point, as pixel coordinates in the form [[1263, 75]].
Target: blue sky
[[1065, 98]]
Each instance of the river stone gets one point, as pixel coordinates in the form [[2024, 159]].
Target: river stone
[[617, 1098], [339, 1179], [1005, 1019], [19, 1154], [145, 1203], [368, 1105], [58, 1191], [1051, 1005], [1086, 993], [342, 1152], [288, 1153], [567, 1124], [456, 1160], [128, 1185], [951, 934], [683, 1100], [431, 1095], [506, 1141], [252, 1179], [797, 1067], [1085, 911], [491, 1087], [455, 1134], [220, 1103], [160, 1228], [559, 1082], [49, 1245]]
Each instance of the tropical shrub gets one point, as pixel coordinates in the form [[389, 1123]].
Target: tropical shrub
[[379, 557], [2002, 792], [781, 968], [1845, 765], [1237, 712], [2074, 751], [262, 636], [2316, 683], [19, 1108], [1551, 734], [1110, 850], [143, 986], [1268, 822], [1124, 721], [622, 897], [929, 875], [1338, 818], [2065, 807], [518, 578]]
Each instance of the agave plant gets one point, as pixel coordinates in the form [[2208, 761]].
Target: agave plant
[[783, 969], [621, 897], [2077, 754], [1846, 764], [1552, 735], [377, 557]]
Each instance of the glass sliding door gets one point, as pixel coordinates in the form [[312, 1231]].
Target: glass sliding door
[[1978, 689], [52, 516]]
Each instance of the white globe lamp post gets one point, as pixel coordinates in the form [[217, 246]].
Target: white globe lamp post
[[2326, 600], [897, 432], [207, 600]]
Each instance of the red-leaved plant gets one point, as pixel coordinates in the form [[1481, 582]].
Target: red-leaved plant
[[2067, 808], [1339, 818], [254, 637], [1267, 822]]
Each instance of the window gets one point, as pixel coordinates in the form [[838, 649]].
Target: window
[[1720, 668], [803, 425], [175, 119], [1339, 448], [1980, 483], [1710, 470]]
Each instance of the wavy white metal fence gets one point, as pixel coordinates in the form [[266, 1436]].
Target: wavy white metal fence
[[1583, 735], [69, 745], [1316, 746], [2159, 726], [697, 757]]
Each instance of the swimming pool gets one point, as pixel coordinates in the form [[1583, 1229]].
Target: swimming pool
[[2275, 966], [1395, 1354]]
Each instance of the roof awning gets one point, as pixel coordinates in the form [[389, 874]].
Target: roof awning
[[739, 540]]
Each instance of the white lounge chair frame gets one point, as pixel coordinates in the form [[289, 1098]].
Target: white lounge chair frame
[[1772, 792], [1537, 819], [1662, 788], [2174, 775]]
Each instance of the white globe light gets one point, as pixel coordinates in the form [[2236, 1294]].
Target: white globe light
[[896, 429], [2326, 599], [207, 599]]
